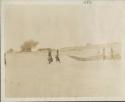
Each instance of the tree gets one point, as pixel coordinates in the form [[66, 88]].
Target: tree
[[27, 46]]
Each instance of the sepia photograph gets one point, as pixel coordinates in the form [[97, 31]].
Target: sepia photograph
[[66, 49]]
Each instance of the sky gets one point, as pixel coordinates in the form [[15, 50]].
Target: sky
[[63, 25]]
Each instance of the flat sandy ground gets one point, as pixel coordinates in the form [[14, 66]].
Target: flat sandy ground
[[30, 75]]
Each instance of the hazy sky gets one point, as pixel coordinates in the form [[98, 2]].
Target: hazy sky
[[63, 25]]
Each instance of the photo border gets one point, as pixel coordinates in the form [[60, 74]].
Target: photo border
[[4, 99]]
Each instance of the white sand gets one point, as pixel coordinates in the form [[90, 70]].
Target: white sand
[[30, 75]]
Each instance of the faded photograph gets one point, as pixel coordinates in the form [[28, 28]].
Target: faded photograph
[[64, 50]]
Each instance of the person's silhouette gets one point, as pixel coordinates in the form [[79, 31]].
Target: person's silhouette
[[50, 59], [5, 59], [57, 56]]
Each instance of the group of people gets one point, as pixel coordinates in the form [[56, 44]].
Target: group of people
[[50, 58]]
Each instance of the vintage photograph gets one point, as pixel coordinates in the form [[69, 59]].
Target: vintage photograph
[[63, 49]]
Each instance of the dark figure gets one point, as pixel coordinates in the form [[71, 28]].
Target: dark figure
[[5, 59], [50, 59], [57, 56]]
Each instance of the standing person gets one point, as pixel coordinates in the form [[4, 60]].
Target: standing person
[[5, 58], [50, 59], [57, 56]]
